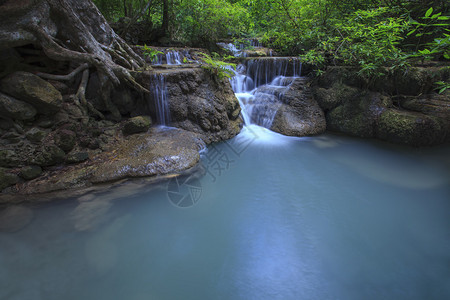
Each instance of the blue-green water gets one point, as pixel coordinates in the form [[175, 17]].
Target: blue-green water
[[274, 218]]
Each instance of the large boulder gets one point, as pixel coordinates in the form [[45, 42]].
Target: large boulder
[[15, 109], [33, 90], [163, 151], [300, 115], [415, 115], [412, 128], [199, 102]]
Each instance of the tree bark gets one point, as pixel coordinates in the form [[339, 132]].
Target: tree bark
[[73, 31]]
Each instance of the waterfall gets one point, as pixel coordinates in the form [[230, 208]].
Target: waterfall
[[259, 85], [159, 88], [173, 57]]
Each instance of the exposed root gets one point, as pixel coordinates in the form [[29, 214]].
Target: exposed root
[[80, 96], [67, 77]]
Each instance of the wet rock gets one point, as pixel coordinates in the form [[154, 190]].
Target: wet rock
[[36, 135], [30, 172], [15, 109], [200, 103], [409, 128], [136, 125], [164, 151], [7, 178], [367, 110], [77, 157], [49, 155], [33, 90], [158, 152], [65, 139], [300, 115]]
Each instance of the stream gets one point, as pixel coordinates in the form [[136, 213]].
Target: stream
[[264, 217]]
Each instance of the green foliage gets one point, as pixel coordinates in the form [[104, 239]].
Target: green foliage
[[216, 67], [434, 26], [377, 36], [150, 52], [442, 86], [203, 22]]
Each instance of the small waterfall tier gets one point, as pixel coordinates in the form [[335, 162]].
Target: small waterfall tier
[[260, 85], [173, 56], [160, 99]]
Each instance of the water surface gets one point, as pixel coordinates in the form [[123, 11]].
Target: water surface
[[273, 217]]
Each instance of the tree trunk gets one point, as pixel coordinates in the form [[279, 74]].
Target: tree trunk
[[165, 20], [73, 31]]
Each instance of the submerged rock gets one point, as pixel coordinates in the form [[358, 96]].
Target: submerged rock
[[34, 90]]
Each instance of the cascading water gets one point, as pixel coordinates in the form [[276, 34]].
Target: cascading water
[[259, 85], [160, 98], [173, 57]]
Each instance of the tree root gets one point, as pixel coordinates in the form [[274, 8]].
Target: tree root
[[67, 77], [80, 96]]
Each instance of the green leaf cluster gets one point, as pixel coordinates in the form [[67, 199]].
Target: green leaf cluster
[[216, 67]]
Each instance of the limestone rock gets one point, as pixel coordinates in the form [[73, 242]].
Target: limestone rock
[[30, 172], [33, 90], [65, 139], [411, 128], [200, 103], [7, 178], [36, 135], [49, 155], [136, 125], [300, 115], [15, 109], [161, 151], [77, 157], [9, 158]]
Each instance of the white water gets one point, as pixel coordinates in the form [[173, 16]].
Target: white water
[[260, 85], [160, 98], [173, 57]]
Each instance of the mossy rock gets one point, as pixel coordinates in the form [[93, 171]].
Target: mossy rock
[[33, 90], [48, 156], [16, 109], [36, 135], [7, 178], [9, 158], [410, 128], [136, 125], [30, 172], [65, 139]]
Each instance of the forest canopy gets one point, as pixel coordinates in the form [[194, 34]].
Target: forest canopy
[[367, 33]]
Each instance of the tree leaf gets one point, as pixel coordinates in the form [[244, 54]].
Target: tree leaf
[[429, 12]]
